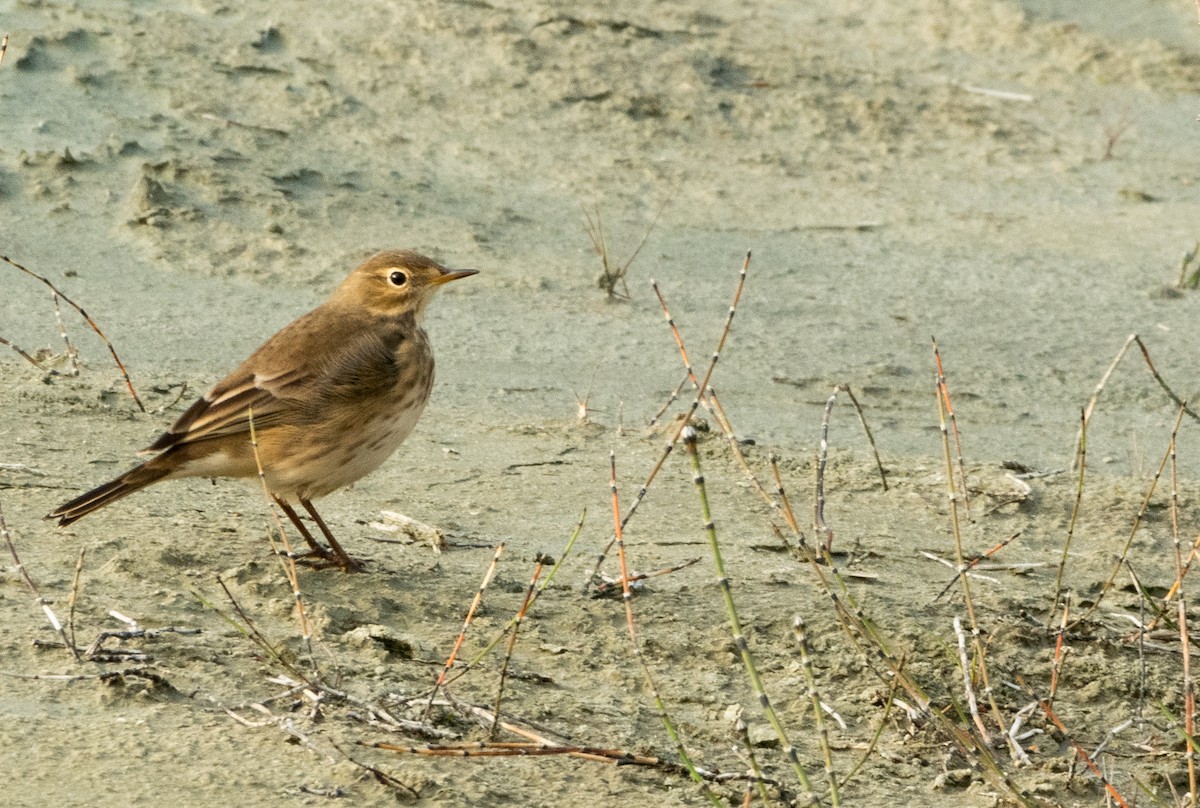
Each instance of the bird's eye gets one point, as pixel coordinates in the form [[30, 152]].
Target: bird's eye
[[398, 278]]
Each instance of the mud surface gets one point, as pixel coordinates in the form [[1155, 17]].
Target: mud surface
[[1017, 181]]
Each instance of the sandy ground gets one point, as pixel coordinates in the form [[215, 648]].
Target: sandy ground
[[1018, 181]]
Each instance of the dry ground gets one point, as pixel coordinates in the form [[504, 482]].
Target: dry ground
[[1015, 180]]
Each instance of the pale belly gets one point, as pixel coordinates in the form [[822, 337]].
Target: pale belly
[[312, 473], [344, 440]]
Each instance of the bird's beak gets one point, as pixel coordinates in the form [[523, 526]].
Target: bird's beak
[[453, 275]]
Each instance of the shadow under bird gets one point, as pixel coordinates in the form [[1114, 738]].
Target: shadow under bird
[[331, 396]]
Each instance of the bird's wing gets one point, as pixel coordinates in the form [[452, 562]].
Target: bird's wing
[[226, 409], [299, 371]]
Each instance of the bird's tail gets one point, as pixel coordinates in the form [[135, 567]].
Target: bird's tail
[[132, 480]]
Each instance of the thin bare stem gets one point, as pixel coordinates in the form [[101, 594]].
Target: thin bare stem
[[75, 582], [850, 616], [1141, 646], [788, 515], [980, 657], [611, 275], [512, 637], [972, 563], [968, 688], [627, 598], [607, 586], [687, 365], [952, 496], [883, 722], [735, 626], [1189, 699], [756, 780], [28, 357], [814, 696], [862, 419], [1081, 462], [33, 588], [462, 634], [1176, 542], [1131, 340], [1181, 573], [1137, 523], [1189, 693], [538, 748], [1189, 280], [248, 629], [710, 402], [1179, 402], [87, 318], [545, 583], [671, 399], [1080, 753], [1090, 407], [944, 393], [72, 353], [287, 559], [870, 641], [683, 422], [821, 530], [701, 389], [1060, 649]]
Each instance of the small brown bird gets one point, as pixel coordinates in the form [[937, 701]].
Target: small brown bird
[[331, 396]]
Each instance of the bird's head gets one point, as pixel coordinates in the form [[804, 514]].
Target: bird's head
[[396, 282]]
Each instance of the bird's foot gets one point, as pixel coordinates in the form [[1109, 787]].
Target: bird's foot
[[320, 558], [339, 558]]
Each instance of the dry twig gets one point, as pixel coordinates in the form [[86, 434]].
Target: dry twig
[[33, 588], [87, 318]]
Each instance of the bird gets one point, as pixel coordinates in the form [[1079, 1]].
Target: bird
[[326, 400]]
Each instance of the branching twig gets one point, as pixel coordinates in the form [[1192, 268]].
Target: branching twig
[[462, 634], [635, 642], [33, 588], [87, 318], [683, 422]]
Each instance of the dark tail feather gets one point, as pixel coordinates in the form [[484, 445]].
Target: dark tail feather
[[126, 484]]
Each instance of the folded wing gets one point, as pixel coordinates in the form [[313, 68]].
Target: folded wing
[[227, 407]]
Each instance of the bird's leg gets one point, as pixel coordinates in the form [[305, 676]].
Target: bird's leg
[[317, 549], [343, 558]]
